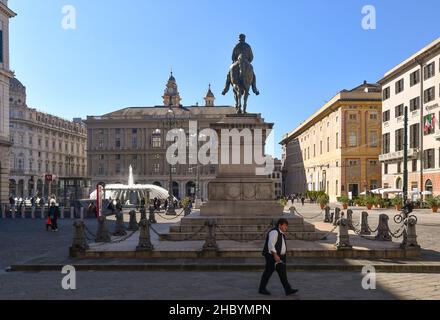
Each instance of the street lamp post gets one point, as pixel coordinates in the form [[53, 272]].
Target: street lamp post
[[170, 121]]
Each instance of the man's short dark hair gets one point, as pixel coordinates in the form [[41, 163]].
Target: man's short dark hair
[[282, 221]]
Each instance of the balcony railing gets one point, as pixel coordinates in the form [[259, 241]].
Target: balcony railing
[[412, 153]]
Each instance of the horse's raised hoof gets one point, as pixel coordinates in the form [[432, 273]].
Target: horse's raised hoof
[[224, 92]]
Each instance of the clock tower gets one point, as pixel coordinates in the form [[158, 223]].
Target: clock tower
[[171, 95]]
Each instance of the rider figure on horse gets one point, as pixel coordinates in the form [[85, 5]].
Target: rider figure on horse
[[245, 50]]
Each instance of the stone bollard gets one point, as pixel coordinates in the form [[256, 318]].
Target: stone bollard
[[33, 212], [410, 235], [365, 229], [350, 218], [210, 242], [79, 244], [143, 213], [343, 239], [102, 235], [81, 213], [72, 213], [144, 237], [337, 216], [383, 230], [3, 209], [152, 217], [327, 215], [42, 212], [62, 212], [133, 225], [23, 212], [119, 228], [13, 210]]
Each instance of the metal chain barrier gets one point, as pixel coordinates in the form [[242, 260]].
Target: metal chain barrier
[[173, 218], [124, 237], [188, 238], [395, 234], [320, 214], [329, 233]]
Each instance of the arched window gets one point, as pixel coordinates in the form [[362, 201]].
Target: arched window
[[399, 183], [428, 186]]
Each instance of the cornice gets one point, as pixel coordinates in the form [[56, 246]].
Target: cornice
[[7, 11]]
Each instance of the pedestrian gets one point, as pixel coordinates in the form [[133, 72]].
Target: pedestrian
[[303, 200], [118, 205], [275, 254], [54, 213]]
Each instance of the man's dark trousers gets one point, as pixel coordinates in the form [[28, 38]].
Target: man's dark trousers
[[280, 269]]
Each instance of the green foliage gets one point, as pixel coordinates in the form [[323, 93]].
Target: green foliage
[[397, 201], [283, 201], [359, 201], [185, 202], [433, 202], [343, 199], [323, 199]]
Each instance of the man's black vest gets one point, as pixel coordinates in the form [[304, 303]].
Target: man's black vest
[[278, 245]]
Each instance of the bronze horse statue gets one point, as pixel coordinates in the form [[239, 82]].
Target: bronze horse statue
[[242, 77]]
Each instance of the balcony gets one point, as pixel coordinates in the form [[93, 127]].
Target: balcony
[[398, 155], [437, 134]]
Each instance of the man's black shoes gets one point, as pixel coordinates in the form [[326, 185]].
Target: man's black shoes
[[264, 292], [291, 292]]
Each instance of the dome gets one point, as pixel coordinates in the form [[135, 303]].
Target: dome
[[16, 85]]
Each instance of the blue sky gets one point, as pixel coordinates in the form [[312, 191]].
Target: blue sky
[[121, 53]]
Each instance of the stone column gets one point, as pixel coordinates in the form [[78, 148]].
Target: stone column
[[119, 228], [79, 245], [327, 218], [343, 239], [102, 235], [210, 241], [133, 225], [337, 216], [144, 237], [383, 230], [365, 229], [410, 235]]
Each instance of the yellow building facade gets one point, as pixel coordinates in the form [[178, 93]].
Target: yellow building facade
[[336, 150]]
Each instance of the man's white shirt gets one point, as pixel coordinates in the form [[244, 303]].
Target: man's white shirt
[[273, 237]]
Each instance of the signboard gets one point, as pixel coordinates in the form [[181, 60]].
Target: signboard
[[350, 195]]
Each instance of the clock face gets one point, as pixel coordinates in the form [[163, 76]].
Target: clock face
[[170, 90]]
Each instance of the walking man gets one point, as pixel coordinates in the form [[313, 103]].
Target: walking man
[[275, 254], [54, 212]]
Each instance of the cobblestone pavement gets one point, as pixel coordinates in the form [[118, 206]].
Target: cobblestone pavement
[[215, 286], [26, 240]]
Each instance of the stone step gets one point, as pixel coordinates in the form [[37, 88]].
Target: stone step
[[240, 229], [264, 221], [246, 236]]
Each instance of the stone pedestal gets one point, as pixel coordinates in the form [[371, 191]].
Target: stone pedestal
[[241, 199], [238, 189]]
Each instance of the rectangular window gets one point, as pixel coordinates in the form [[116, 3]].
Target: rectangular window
[[414, 78], [118, 157], [398, 111], [118, 143], [429, 71], [373, 139], [314, 150], [156, 142], [386, 93], [352, 141], [386, 116], [429, 94], [352, 116], [400, 86], [429, 159], [399, 140], [429, 124], [414, 165], [399, 167], [320, 147], [386, 143], [134, 143], [414, 135], [373, 116], [328, 144], [1, 46], [414, 104], [118, 168], [156, 167], [337, 140], [373, 163], [373, 184]]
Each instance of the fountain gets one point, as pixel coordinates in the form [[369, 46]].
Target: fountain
[[131, 194]]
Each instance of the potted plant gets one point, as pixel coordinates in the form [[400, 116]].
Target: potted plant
[[370, 201], [323, 200], [382, 203], [344, 200], [433, 203], [359, 202], [397, 202]]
